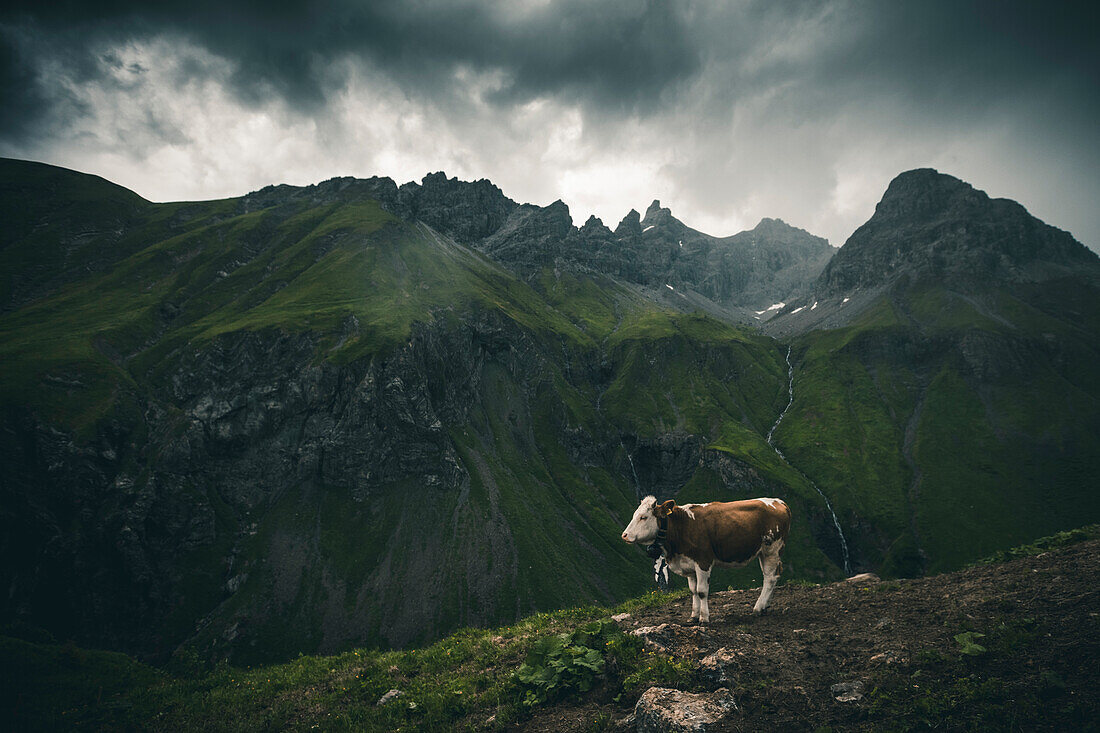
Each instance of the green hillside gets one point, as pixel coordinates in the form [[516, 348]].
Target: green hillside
[[293, 422], [297, 421], [947, 425], [578, 670]]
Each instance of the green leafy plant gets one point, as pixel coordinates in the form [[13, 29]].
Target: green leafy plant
[[969, 647], [565, 663]]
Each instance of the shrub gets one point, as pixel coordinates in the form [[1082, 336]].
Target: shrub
[[565, 663]]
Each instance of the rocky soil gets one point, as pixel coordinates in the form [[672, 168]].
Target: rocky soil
[[1012, 646]]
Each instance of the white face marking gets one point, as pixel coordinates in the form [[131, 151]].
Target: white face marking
[[643, 525]]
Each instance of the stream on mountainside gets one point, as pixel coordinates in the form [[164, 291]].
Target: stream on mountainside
[[630, 459], [828, 504]]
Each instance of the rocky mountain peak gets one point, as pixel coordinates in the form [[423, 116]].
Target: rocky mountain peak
[[560, 209], [929, 224], [772, 226], [466, 211], [655, 215], [595, 226], [925, 192], [780, 231], [631, 225], [436, 179]]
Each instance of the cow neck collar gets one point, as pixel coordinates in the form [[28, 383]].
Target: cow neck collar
[[662, 535]]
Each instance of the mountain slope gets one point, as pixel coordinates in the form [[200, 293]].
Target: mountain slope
[[358, 413], [295, 420], [999, 645], [747, 271], [957, 407]]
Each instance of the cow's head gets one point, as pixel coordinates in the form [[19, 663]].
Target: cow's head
[[643, 526]]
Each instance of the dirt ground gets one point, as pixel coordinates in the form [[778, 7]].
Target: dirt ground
[[1037, 666]]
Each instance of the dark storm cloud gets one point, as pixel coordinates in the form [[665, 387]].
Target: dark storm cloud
[[20, 99], [780, 101], [954, 57], [968, 55], [614, 54]]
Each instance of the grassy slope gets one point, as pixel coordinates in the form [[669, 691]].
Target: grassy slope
[[1002, 456], [458, 681], [41, 205], [188, 273], [184, 274], [462, 681]]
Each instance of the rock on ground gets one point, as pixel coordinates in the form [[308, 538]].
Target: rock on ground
[[660, 710]]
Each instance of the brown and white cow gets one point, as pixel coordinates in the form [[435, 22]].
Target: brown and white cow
[[696, 537]]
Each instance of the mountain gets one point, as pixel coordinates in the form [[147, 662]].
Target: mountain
[[948, 394], [933, 227], [733, 275], [357, 413], [936, 226], [298, 420]]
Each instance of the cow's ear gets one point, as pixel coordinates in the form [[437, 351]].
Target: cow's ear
[[665, 509]]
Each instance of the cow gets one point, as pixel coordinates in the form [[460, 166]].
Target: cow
[[693, 538]]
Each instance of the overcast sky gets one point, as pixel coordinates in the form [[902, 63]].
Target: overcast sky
[[727, 112]]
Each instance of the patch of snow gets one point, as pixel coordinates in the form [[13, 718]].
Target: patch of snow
[[845, 301], [669, 286], [801, 307], [681, 243], [648, 228], [814, 305], [775, 307]]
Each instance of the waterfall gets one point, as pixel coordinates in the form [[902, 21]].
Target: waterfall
[[790, 401], [828, 504], [630, 460]]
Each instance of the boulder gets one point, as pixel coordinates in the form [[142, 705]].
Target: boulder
[[661, 710]]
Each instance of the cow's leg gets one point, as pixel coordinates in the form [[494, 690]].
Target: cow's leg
[[702, 589], [694, 598], [771, 566]]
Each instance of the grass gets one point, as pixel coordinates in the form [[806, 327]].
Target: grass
[[1043, 544], [969, 687], [484, 678], [997, 452], [465, 680]]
